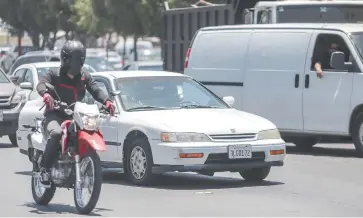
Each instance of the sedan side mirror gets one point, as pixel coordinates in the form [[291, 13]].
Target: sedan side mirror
[[229, 100], [26, 85]]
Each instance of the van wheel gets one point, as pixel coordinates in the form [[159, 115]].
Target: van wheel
[[305, 143], [357, 134]]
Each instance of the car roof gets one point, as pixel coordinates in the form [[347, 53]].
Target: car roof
[[45, 64], [136, 73], [42, 53], [343, 27]]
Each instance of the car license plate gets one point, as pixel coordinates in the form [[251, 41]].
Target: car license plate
[[1, 116], [239, 151]]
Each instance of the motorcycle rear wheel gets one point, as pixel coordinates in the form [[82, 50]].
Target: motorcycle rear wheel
[[41, 195], [90, 161]]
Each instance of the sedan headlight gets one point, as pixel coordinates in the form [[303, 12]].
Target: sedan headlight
[[183, 137], [90, 122], [19, 97], [269, 134]]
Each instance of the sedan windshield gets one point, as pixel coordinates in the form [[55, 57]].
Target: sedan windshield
[[166, 92], [358, 42]]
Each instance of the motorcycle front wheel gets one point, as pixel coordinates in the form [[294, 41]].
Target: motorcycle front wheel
[[41, 195], [86, 196]]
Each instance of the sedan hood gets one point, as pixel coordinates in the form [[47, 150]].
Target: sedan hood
[[209, 121], [7, 89]]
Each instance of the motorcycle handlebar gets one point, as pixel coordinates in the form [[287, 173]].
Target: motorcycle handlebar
[[58, 105]]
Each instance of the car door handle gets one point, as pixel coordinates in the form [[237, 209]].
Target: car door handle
[[307, 80], [297, 79]]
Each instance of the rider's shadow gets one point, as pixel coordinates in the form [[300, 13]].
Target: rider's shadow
[[53, 209]]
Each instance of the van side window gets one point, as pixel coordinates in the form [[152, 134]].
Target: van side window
[[324, 46]]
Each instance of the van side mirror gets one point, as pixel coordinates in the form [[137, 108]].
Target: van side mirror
[[337, 61], [229, 100]]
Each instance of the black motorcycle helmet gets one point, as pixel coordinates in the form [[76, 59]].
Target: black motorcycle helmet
[[73, 55]]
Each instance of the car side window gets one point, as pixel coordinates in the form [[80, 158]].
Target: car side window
[[28, 76], [20, 74], [88, 97], [324, 46]]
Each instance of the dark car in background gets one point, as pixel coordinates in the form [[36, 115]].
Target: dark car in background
[[33, 57]]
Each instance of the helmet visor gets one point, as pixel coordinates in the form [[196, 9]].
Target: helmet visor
[[76, 63]]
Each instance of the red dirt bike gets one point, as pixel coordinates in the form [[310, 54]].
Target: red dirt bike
[[78, 165]]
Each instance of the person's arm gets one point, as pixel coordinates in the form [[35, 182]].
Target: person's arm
[[47, 78], [97, 93], [317, 67]]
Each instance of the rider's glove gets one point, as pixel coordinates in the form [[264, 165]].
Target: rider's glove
[[110, 107], [48, 101]]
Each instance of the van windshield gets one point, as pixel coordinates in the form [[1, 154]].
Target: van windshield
[[357, 39], [319, 13]]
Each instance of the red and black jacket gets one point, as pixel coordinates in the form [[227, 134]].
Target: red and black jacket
[[72, 90]]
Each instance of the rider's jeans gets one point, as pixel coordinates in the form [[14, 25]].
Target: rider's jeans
[[52, 126]]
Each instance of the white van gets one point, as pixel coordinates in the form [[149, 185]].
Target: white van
[[268, 69]]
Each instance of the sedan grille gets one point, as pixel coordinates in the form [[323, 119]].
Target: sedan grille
[[4, 100], [234, 137]]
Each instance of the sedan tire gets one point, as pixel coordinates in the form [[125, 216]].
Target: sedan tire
[[139, 162]]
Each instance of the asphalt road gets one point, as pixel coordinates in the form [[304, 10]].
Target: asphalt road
[[327, 182]]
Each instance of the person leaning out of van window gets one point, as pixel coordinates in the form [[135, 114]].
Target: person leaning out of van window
[[323, 61]]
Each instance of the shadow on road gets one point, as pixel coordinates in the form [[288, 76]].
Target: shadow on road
[[54, 209], [6, 145], [181, 181], [186, 181], [319, 151]]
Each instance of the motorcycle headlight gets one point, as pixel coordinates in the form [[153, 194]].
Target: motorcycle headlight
[[183, 137], [269, 134], [20, 97], [90, 122]]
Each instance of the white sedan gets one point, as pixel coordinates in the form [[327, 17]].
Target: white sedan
[[169, 122]]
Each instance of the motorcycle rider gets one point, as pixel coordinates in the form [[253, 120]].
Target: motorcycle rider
[[70, 82]]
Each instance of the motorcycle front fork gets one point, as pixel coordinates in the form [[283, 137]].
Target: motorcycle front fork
[[78, 171]]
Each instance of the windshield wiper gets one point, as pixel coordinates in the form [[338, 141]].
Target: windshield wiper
[[197, 106], [145, 107]]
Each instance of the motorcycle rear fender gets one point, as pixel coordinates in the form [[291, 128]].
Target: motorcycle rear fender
[[88, 139]]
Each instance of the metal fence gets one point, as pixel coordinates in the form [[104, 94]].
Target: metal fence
[[180, 25]]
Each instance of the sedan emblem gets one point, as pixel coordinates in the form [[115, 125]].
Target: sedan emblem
[[233, 130]]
